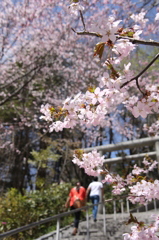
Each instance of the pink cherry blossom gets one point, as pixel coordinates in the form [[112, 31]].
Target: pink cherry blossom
[[137, 170], [140, 110], [139, 18], [91, 162]]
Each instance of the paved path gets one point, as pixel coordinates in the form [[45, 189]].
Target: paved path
[[114, 228]]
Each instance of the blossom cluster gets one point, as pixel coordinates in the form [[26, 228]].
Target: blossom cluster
[[107, 28], [92, 162], [144, 191], [91, 108], [87, 109], [153, 129], [143, 232]]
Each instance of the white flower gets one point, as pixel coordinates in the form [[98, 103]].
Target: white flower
[[157, 17], [108, 34], [75, 7], [139, 18]]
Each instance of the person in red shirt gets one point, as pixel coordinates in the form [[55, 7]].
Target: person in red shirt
[[75, 200]]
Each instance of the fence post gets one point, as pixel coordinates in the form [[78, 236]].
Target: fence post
[[122, 208], [100, 178], [58, 229], [157, 152], [104, 220], [154, 202], [127, 205], [87, 218], [146, 207], [114, 209]]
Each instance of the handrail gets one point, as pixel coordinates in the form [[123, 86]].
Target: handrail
[[58, 216], [49, 219], [124, 145], [46, 220]]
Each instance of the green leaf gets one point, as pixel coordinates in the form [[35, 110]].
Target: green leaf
[[130, 34]]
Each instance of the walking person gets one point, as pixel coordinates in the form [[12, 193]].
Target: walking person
[[76, 199], [95, 191]]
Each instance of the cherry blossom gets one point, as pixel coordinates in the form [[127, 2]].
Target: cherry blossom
[[75, 7], [91, 162], [46, 111], [108, 34], [157, 17], [106, 28], [153, 129], [137, 170], [122, 49], [145, 232], [139, 18], [141, 109]]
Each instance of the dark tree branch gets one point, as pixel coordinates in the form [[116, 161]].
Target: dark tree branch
[[35, 140], [82, 19], [18, 90], [139, 75], [138, 86]]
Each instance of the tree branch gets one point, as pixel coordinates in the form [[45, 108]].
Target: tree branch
[[138, 86], [18, 90], [132, 40], [87, 33], [139, 75], [18, 78], [137, 41], [35, 62]]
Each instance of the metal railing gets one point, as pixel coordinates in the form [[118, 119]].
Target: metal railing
[[59, 216]]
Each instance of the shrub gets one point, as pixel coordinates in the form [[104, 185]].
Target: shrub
[[17, 210]]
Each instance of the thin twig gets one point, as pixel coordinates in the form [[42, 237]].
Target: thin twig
[[82, 18], [88, 33], [139, 75]]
